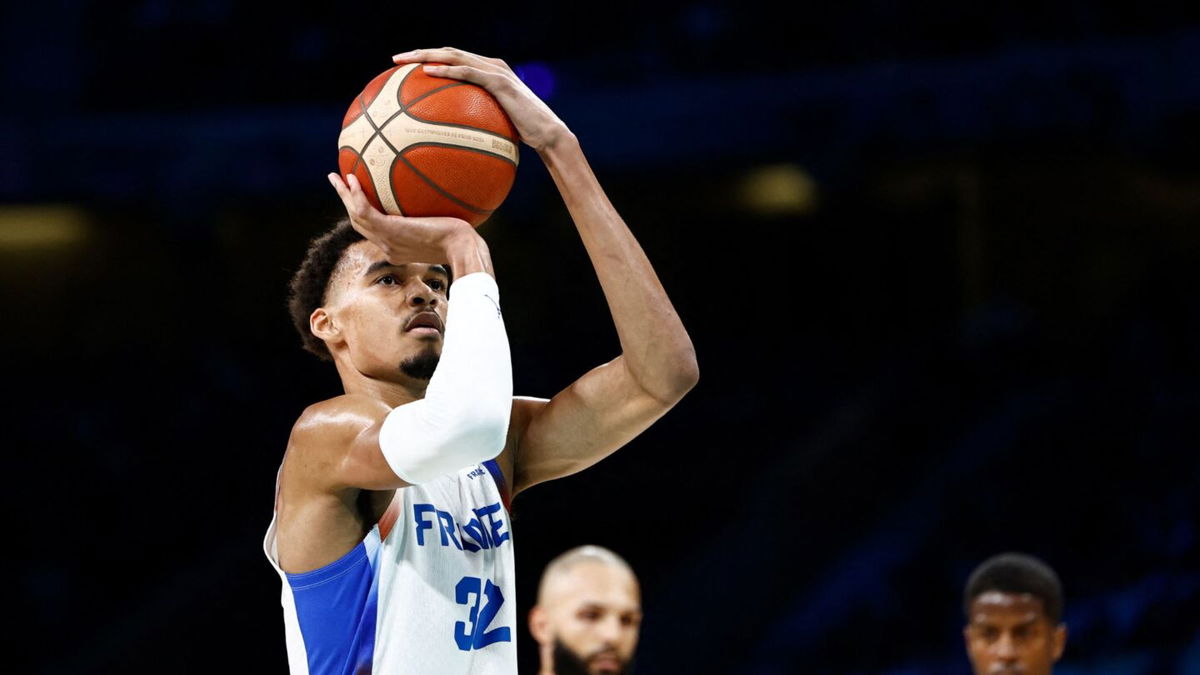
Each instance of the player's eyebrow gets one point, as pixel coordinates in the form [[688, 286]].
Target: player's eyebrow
[[376, 266]]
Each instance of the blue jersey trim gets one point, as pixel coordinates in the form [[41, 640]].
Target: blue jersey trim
[[498, 476], [337, 608]]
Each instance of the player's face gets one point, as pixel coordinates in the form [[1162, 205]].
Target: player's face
[[391, 317], [1010, 633], [595, 611]]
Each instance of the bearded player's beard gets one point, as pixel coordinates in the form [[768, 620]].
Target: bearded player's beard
[[420, 366], [567, 662]]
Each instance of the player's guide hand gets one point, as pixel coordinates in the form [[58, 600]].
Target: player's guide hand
[[538, 126], [399, 237]]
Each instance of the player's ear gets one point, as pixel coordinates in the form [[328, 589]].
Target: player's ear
[[1060, 640], [323, 325], [539, 624]]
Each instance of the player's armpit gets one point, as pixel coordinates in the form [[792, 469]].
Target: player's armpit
[[335, 445], [582, 424]]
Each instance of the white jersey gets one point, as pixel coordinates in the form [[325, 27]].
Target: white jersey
[[430, 589]]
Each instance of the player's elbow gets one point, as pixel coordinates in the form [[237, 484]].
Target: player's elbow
[[486, 429], [472, 417], [687, 373], [679, 375], [484, 441], [421, 443]]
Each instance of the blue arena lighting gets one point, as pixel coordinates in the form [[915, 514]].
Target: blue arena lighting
[[539, 77]]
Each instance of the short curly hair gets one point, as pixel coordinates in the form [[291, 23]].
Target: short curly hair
[[307, 289], [1017, 573]]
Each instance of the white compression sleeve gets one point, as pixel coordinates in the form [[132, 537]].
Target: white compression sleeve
[[463, 419]]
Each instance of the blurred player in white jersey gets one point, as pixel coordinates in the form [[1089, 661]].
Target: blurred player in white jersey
[[391, 532]]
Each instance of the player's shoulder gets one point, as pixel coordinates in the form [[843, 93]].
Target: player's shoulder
[[524, 408], [323, 424]]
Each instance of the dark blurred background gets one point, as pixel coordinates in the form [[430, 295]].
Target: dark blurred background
[[939, 260]]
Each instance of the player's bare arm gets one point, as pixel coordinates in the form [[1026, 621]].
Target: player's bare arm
[[332, 454], [611, 404]]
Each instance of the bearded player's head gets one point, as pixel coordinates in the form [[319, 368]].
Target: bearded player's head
[[1014, 625], [375, 320], [588, 613]]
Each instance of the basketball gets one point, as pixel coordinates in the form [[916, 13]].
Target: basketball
[[429, 146]]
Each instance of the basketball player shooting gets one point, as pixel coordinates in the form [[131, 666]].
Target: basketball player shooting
[[391, 532]]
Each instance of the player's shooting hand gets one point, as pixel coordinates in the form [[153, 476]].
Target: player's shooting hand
[[535, 122], [402, 239]]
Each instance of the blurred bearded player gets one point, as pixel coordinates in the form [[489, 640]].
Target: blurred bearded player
[[391, 531], [588, 613], [1014, 605]]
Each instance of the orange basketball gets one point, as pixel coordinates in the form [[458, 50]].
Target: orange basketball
[[429, 146]]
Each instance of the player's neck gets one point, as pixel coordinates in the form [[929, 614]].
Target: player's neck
[[546, 663], [392, 392]]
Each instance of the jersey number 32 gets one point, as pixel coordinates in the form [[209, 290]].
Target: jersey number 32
[[473, 633]]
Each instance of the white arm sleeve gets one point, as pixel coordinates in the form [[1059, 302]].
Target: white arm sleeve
[[463, 419]]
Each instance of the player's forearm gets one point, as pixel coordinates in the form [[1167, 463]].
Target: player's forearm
[[655, 345], [466, 252]]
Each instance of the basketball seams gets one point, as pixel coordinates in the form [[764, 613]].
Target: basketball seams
[[400, 89], [383, 78], [460, 126], [379, 127], [366, 115], [383, 137], [404, 108], [452, 146], [392, 172], [386, 195], [357, 160], [357, 157], [417, 132], [372, 90], [440, 190], [366, 109], [371, 180]]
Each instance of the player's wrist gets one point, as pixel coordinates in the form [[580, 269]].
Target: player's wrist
[[466, 252], [557, 140]]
